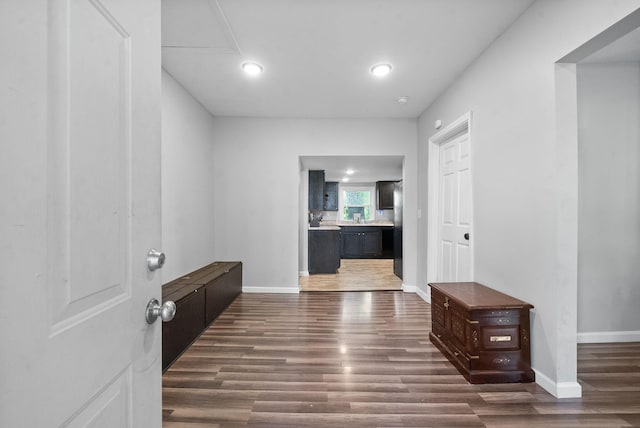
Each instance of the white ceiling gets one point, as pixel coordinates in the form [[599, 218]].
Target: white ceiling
[[317, 53], [367, 169]]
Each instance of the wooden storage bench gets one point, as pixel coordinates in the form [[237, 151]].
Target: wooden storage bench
[[200, 297], [483, 332]]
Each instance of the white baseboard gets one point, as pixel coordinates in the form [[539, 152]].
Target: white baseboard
[[408, 288], [609, 337], [271, 290], [303, 273], [558, 389]]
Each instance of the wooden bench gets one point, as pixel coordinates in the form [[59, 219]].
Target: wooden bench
[[200, 297]]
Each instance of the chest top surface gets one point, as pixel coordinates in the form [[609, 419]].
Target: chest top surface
[[472, 295]]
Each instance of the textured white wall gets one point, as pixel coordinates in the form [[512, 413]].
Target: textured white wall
[[609, 197], [258, 192], [187, 181], [511, 91]]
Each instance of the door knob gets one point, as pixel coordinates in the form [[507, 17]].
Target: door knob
[[466, 236], [166, 312], [155, 259]]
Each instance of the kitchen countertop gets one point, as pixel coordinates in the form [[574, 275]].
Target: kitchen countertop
[[324, 227], [377, 223], [339, 225]]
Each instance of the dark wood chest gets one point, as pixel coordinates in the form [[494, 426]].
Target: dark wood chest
[[483, 332]]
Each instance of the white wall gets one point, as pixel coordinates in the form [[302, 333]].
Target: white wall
[[609, 200], [511, 91], [187, 181], [258, 191]]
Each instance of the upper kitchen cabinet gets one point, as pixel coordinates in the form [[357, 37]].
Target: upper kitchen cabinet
[[331, 196], [316, 190], [384, 191]]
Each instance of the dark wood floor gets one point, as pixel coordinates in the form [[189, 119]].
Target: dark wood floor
[[363, 359]]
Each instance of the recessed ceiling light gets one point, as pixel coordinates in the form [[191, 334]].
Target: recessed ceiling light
[[252, 68], [350, 172], [345, 179], [403, 100], [380, 70]]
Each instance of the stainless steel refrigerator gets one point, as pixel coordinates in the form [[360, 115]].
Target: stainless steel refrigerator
[[397, 230]]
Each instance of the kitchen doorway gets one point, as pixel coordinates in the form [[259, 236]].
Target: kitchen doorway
[[359, 268]]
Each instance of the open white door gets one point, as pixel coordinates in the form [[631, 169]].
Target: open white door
[[80, 180]]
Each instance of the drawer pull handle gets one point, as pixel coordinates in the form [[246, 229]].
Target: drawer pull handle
[[500, 338], [472, 322], [473, 357]]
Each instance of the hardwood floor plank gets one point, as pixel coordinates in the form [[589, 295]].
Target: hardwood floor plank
[[555, 421], [357, 359], [411, 408]]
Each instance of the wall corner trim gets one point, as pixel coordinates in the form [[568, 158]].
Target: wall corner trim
[[558, 389], [424, 293]]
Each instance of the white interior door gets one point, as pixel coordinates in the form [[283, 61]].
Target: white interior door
[[81, 191], [454, 220]]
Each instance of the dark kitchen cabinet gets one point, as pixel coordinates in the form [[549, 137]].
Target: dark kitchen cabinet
[[384, 192], [351, 244], [200, 297], [316, 190], [324, 251], [387, 241], [361, 242], [330, 196]]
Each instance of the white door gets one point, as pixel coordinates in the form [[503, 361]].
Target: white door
[[80, 186], [454, 253]]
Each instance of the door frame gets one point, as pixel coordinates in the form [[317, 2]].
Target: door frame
[[460, 125]]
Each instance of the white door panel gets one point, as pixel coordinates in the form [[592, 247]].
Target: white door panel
[[447, 260], [87, 191], [455, 210], [464, 201]]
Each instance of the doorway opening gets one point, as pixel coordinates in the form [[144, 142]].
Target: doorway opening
[[365, 215], [598, 192], [608, 195]]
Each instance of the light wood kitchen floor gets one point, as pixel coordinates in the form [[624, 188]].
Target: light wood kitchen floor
[[364, 359], [355, 275]]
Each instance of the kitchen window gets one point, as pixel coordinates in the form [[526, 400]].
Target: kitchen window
[[357, 200]]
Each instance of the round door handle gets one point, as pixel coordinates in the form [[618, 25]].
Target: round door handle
[[166, 312], [466, 236], [155, 259]]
